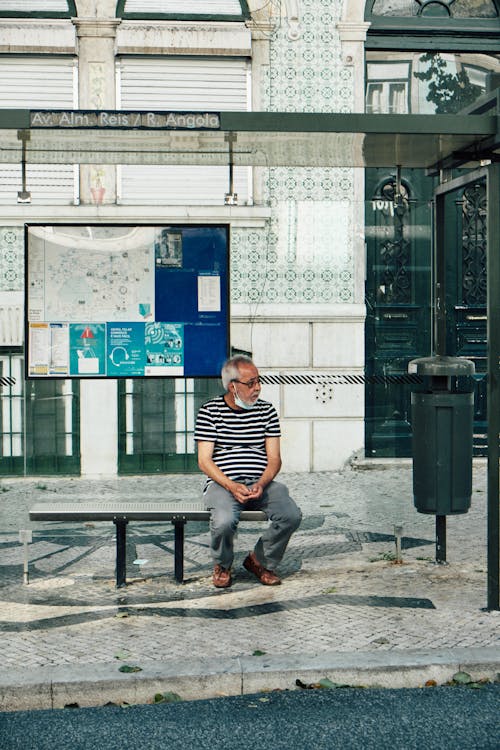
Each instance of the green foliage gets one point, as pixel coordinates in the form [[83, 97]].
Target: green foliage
[[449, 92], [167, 698], [387, 556], [127, 668]]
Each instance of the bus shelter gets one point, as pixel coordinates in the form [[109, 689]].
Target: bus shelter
[[435, 143]]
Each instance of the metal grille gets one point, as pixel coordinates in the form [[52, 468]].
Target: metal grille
[[395, 275], [39, 421], [156, 423], [473, 207]]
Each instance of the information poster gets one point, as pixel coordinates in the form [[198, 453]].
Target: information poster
[[126, 301]]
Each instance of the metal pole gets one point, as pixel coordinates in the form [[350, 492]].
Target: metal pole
[[440, 277], [440, 539], [121, 551], [179, 550], [26, 537], [493, 395], [440, 334]]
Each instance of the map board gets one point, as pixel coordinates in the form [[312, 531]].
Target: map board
[[111, 301]]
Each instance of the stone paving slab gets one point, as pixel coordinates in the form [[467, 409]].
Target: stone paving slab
[[343, 593]]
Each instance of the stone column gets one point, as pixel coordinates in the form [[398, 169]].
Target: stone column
[[97, 90], [96, 31], [352, 37]]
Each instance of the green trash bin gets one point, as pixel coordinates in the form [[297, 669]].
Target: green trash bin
[[442, 407]]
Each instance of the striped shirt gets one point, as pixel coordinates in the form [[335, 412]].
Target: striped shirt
[[239, 437]]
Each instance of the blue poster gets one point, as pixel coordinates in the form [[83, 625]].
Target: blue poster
[[164, 349], [126, 354], [87, 349]]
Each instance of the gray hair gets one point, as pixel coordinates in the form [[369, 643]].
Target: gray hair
[[230, 370]]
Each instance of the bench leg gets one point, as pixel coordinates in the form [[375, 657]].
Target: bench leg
[[121, 551], [179, 550]]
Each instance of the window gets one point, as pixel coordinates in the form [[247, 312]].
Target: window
[[387, 87], [438, 82], [430, 56]]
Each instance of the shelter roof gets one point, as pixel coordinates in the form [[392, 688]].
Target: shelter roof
[[247, 138]]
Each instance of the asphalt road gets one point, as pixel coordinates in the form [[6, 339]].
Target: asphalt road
[[320, 719]]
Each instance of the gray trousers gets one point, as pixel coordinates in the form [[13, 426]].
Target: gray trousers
[[281, 510]]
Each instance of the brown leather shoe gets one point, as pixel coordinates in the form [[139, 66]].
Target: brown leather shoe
[[265, 576], [221, 577]]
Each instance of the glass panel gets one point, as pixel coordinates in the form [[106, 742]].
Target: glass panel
[[437, 8], [395, 8], [473, 9], [426, 83]]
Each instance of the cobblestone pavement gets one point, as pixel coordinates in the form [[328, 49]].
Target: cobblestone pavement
[[342, 589]]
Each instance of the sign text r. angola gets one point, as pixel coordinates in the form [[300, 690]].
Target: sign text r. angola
[[116, 119]]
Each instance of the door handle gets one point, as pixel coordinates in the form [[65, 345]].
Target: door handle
[[476, 317]]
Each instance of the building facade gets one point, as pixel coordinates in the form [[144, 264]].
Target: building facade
[[331, 267]]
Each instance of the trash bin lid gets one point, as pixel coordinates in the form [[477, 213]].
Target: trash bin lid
[[440, 365]]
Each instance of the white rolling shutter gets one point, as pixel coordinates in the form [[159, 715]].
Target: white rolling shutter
[[185, 7], [38, 83], [183, 84], [179, 185], [35, 6], [49, 184]]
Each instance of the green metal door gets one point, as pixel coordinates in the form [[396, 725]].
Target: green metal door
[[398, 228], [465, 257]]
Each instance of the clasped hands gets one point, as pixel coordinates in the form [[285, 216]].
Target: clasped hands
[[243, 493]]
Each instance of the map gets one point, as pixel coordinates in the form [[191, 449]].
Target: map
[[116, 282]]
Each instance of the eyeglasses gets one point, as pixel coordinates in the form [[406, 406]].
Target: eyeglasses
[[249, 384]]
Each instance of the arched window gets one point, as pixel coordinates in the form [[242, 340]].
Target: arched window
[[435, 8], [430, 56]]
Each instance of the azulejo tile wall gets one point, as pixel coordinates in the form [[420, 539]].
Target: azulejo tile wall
[[305, 254], [11, 259]]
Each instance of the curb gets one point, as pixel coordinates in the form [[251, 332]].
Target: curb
[[195, 679]]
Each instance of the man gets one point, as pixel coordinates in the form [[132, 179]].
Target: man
[[238, 437]]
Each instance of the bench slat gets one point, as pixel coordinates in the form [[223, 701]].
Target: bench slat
[[133, 511]]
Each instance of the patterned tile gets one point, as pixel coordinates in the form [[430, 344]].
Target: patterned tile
[[11, 259], [293, 259]]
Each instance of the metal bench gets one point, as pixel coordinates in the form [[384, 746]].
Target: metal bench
[[122, 513]]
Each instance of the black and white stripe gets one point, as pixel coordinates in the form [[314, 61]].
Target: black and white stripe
[[239, 437]]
